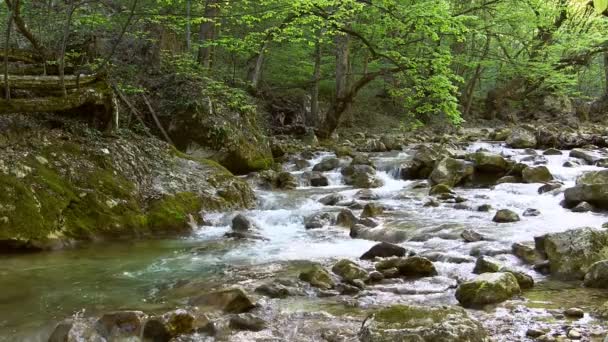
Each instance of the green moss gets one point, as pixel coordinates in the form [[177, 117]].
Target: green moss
[[411, 316], [172, 213]]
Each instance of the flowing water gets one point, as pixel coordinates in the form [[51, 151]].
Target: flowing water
[[38, 290]]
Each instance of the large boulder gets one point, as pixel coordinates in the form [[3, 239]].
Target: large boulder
[[571, 253], [538, 174], [231, 300], [215, 120], [521, 138], [422, 163], [61, 185], [416, 266], [318, 220], [591, 187], [487, 288], [590, 157], [361, 176], [121, 324], [597, 275], [384, 250], [419, 324], [486, 162], [327, 164], [451, 172]]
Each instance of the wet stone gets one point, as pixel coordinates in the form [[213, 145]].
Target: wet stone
[[248, 322], [384, 250], [469, 235], [530, 212], [574, 313], [505, 216]]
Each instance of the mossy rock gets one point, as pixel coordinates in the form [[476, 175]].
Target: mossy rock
[[417, 323], [487, 288], [349, 270], [317, 276]]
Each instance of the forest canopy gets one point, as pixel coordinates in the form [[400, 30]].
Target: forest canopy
[[430, 59]]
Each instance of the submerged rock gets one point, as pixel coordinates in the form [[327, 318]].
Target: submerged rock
[[248, 322], [383, 234], [384, 250], [231, 300], [487, 288], [317, 179], [505, 216], [241, 223], [531, 212], [318, 220], [419, 324], [469, 235]]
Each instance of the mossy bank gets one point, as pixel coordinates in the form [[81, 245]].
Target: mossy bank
[[61, 182]]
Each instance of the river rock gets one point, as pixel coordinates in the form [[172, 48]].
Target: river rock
[[451, 172], [486, 162], [231, 300], [273, 290], [538, 174], [332, 199], [422, 323], [382, 234], [582, 207], [168, 326], [361, 176], [372, 210], [526, 252], [318, 220], [121, 324], [301, 164], [487, 288], [327, 164], [374, 145], [571, 253], [241, 223], [247, 322], [317, 179], [505, 216], [384, 250], [369, 222], [590, 187], [574, 312], [501, 134], [589, 157], [524, 280], [422, 164], [416, 266], [597, 275], [317, 276], [552, 152], [366, 195], [346, 218], [484, 208], [549, 187], [531, 212], [286, 181], [508, 179], [487, 264], [521, 138], [469, 235], [349, 271], [440, 189]]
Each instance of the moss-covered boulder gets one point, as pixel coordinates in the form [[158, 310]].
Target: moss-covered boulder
[[591, 187], [521, 138], [538, 174], [73, 184], [349, 270], [451, 172], [487, 288], [422, 324], [215, 121], [230, 300], [486, 162], [505, 216], [317, 276], [571, 253]]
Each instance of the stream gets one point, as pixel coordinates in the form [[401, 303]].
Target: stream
[[39, 290]]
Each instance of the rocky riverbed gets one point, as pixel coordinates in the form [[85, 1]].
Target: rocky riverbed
[[478, 241]]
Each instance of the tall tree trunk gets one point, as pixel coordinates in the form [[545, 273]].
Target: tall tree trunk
[[9, 28], [470, 89], [606, 73], [342, 67], [256, 72], [313, 120], [188, 30], [207, 33], [24, 30], [64, 42]]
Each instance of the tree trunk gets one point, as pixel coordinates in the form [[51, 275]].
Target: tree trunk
[[9, 28], [207, 33], [256, 73], [313, 120], [341, 101], [606, 73], [64, 42], [188, 33]]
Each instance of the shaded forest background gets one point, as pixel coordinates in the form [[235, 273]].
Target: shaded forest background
[[321, 63]]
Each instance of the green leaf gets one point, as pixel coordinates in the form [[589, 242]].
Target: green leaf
[[600, 5]]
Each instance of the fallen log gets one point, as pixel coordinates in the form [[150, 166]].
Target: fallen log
[[48, 82]]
